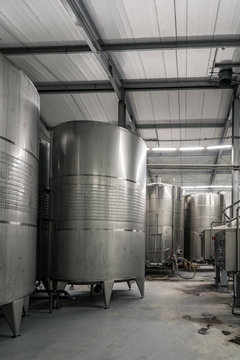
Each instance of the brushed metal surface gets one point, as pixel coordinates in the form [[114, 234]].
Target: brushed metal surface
[[99, 189], [200, 210], [165, 222], [19, 113]]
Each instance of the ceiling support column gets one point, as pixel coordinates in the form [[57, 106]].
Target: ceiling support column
[[235, 152], [121, 113]]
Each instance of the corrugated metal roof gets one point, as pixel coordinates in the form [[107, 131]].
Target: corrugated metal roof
[[36, 22], [181, 106], [56, 109], [168, 64], [138, 19], [164, 64], [60, 67], [131, 65]]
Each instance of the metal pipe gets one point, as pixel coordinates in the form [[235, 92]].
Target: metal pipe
[[237, 240], [192, 166], [235, 152], [231, 205]]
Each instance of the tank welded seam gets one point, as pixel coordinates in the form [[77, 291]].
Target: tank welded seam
[[99, 229], [140, 222], [16, 223], [97, 175], [13, 143]]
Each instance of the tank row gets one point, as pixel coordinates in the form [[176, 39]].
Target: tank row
[[164, 223], [75, 212]]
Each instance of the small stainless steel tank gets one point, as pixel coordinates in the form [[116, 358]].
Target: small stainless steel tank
[[19, 113], [99, 192], [164, 223], [44, 217], [200, 210]]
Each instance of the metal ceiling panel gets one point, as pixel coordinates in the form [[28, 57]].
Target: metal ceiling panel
[[118, 19], [138, 19], [199, 19], [194, 62], [223, 179], [56, 109], [60, 67], [167, 64], [33, 68], [181, 106], [194, 137], [151, 144], [36, 22], [228, 18], [148, 133]]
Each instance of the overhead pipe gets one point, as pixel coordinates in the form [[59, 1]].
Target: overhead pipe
[[192, 167]]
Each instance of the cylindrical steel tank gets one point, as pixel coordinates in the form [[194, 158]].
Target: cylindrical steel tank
[[44, 216], [99, 188], [200, 210], [164, 223], [19, 113]]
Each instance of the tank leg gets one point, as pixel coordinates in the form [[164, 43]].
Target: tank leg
[[223, 285], [140, 284], [46, 284], [217, 278], [108, 286], [237, 290], [129, 282], [58, 285], [26, 306], [13, 314]]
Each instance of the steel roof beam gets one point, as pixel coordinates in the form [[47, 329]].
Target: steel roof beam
[[171, 154], [166, 172], [170, 84], [90, 34], [199, 167], [126, 86], [150, 44], [220, 152], [227, 125], [73, 86], [181, 125], [87, 28]]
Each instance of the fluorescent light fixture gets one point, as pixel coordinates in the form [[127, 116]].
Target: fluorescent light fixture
[[207, 187], [194, 148], [219, 147], [220, 186], [148, 148], [164, 149], [196, 187]]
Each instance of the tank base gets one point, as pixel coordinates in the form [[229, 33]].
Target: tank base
[[108, 286], [13, 314]]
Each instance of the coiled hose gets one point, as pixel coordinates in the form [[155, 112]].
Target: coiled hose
[[188, 262]]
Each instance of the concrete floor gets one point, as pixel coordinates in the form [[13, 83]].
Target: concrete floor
[[163, 325]]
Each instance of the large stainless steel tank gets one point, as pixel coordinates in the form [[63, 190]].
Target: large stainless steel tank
[[44, 216], [19, 113], [99, 188], [165, 222], [200, 210]]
